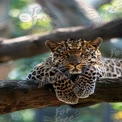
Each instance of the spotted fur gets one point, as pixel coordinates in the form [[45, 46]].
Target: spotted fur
[[73, 68]]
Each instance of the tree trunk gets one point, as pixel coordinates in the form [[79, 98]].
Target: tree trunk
[[18, 95]]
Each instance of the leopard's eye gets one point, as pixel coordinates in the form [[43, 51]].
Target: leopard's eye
[[66, 54]]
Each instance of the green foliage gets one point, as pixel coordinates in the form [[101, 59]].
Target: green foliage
[[117, 106], [21, 116], [19, 4], [28, 18], [24, 66], [110, 11]]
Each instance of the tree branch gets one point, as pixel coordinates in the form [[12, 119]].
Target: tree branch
[[18, 95], [28, 46]]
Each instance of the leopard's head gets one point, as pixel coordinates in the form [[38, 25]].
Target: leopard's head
[[74, 54]]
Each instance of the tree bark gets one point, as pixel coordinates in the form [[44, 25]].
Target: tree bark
[[32, 45], [18, 95]]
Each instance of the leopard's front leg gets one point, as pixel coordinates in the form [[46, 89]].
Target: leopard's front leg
[[64, 89], [42, 73], [85, 83], [63, 86]]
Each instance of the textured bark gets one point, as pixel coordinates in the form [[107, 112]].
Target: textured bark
[[28, 46], [18, 95]]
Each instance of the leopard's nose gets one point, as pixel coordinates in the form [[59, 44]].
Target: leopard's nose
[[75, 63], [74, 60]]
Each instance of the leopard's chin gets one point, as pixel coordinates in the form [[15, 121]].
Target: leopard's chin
[[73, 77], [75, 71]]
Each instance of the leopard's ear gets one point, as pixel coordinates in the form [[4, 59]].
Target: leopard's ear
[[51, 45], [96, 43]]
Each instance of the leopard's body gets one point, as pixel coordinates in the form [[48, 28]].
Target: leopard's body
[[74, 67]]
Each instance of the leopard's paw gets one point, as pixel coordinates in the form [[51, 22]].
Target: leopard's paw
[[84, 91], [68, 97]]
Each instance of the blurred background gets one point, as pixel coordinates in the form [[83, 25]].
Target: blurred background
[[26, 17]]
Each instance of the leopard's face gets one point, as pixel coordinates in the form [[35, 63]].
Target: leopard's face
[[74, 55]]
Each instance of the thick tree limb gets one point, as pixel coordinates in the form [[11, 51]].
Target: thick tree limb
[[18, 95], [28, 46]]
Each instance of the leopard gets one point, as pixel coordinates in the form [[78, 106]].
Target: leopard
[[73, 67]]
